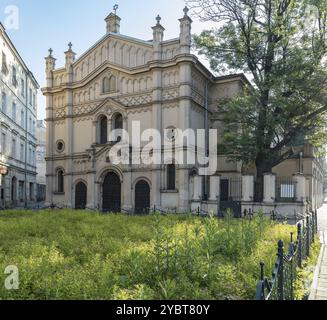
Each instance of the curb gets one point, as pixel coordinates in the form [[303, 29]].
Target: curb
[[314, 287]]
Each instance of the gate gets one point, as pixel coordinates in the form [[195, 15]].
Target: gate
[[80, 196], [142, 197], [231, 196], [111, 193]]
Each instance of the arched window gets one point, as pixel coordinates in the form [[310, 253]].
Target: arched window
[[118, 122], [118, 125], [103, 130], [171, 177], [105, 85], [60, 181], [112, 84], [109, 84]]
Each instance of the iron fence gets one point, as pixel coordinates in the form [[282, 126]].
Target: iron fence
[[281, 284], [235, 192]]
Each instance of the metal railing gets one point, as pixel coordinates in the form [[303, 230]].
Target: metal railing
[[281, 284]]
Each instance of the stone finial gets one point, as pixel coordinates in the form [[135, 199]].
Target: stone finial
[[50, 52], [70, 45], [186, 10], [158, 18]]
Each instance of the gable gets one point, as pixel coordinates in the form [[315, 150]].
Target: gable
[[117, 50]]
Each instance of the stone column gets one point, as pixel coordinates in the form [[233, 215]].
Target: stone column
[[300, 187], [50, 170], [69, 168], [214, 198], [125, 138], [91, 191], [197, 188], [247, 188], [94, 132], [269, 188], [127, 202], [197, 192], [214, 188], [157, 124], [110, 137], [184, 124]]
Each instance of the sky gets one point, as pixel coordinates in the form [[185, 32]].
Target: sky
[[53, 24]]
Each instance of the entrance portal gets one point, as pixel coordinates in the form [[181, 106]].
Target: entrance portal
[[111, 193], [142, 197]]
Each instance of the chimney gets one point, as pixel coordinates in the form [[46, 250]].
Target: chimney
[[113, 23]]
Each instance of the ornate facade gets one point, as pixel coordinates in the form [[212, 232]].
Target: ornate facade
[[120, 80]]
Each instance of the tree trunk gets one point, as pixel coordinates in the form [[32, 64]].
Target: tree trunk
[[263, 165]]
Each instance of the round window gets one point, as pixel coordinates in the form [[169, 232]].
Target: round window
[[60, 146]]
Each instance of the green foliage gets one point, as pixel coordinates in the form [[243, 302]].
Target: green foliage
[[305, 275], [282, 46], [81, 255]]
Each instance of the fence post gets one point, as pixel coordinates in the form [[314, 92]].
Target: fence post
[[308, 242], [292, 269], [314, 223], [281, 270], [299, 239]]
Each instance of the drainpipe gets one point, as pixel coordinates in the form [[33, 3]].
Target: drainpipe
[[206, 125]]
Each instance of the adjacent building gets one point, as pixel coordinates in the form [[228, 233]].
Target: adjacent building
[[18, 107]]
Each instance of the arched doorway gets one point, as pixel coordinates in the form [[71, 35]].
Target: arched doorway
[[80, 196], [111, 193], [142, 197], [14, 190]]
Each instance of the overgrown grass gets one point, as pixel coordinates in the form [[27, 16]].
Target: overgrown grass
[[80, 255], [306, 274]]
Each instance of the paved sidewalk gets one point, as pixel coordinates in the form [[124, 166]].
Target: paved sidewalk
[[319, 286]]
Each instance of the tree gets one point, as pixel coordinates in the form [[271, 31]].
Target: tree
[[282, 45]]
